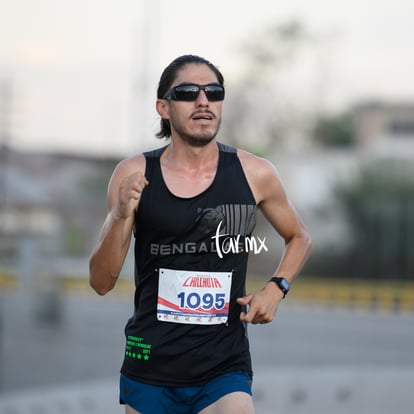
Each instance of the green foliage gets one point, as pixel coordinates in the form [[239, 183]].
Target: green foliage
[[379, 202], [379, 181], [96, 185], [334, 131], [73, 240]]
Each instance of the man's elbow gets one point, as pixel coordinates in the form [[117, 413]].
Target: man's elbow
[[307, 238], [100, 288], [98, 282]]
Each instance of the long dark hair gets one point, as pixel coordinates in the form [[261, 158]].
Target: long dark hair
[[167, 78]]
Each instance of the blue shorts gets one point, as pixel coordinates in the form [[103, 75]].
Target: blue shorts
[[150, 399]]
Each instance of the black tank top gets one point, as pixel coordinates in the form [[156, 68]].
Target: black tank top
[[179, 233]]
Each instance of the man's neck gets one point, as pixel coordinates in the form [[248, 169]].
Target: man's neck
[[184, 155], [189, 171]]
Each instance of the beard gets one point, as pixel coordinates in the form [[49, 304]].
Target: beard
[[197, 141], [201, 139]]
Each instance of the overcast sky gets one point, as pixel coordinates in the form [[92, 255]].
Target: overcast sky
[[73, 64]]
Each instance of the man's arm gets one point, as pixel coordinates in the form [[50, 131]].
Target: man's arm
[[273, 202], [124, 192]]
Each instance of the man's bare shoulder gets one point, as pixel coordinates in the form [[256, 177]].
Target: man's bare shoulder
[[130, 165], [255, 166], [261, 175]]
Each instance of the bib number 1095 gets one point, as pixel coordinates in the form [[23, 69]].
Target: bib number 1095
[[207, 301]]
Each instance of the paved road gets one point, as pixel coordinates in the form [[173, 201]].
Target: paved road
[[304, 352]]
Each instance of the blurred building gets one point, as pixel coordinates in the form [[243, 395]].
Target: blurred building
[[385, 128], [56, 200]]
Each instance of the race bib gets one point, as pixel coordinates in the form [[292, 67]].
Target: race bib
[[201, 298]]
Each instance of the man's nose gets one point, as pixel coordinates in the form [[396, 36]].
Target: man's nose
[[202, 99]]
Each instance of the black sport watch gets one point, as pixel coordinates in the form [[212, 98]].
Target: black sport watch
[[283, 284]]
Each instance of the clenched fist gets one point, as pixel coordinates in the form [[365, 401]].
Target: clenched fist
[[130, 190]]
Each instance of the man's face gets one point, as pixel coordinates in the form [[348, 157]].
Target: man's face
[[196, 122]]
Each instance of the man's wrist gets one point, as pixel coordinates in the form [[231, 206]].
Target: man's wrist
[[281, 283]]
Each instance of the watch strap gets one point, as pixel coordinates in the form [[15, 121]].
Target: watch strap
[[282, 283]]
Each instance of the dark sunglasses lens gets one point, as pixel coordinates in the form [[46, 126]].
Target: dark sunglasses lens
[[186, 92], [214, 92], [189, 92]]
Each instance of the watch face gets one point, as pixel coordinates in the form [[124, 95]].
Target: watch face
[[284, 284]]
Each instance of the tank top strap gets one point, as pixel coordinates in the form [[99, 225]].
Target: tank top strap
[[226, 148], [152, 158]]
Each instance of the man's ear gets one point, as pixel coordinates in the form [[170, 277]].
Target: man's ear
[[162, 108]]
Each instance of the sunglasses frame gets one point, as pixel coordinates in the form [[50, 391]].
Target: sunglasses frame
[[171, 94]]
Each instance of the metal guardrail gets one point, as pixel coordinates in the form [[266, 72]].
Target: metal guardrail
[[363, 294], [380, 295]]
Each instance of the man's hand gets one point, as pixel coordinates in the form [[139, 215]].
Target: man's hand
[[262, 304], [130, 191]]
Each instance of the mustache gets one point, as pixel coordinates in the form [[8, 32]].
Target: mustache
[[203, 112]]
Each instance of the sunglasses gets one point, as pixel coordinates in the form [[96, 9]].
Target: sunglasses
[[188, 92]]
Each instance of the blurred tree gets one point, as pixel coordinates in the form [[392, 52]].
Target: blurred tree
[[275, 46], [257, 113], [334, 131], [261, 112], [379, 202]]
